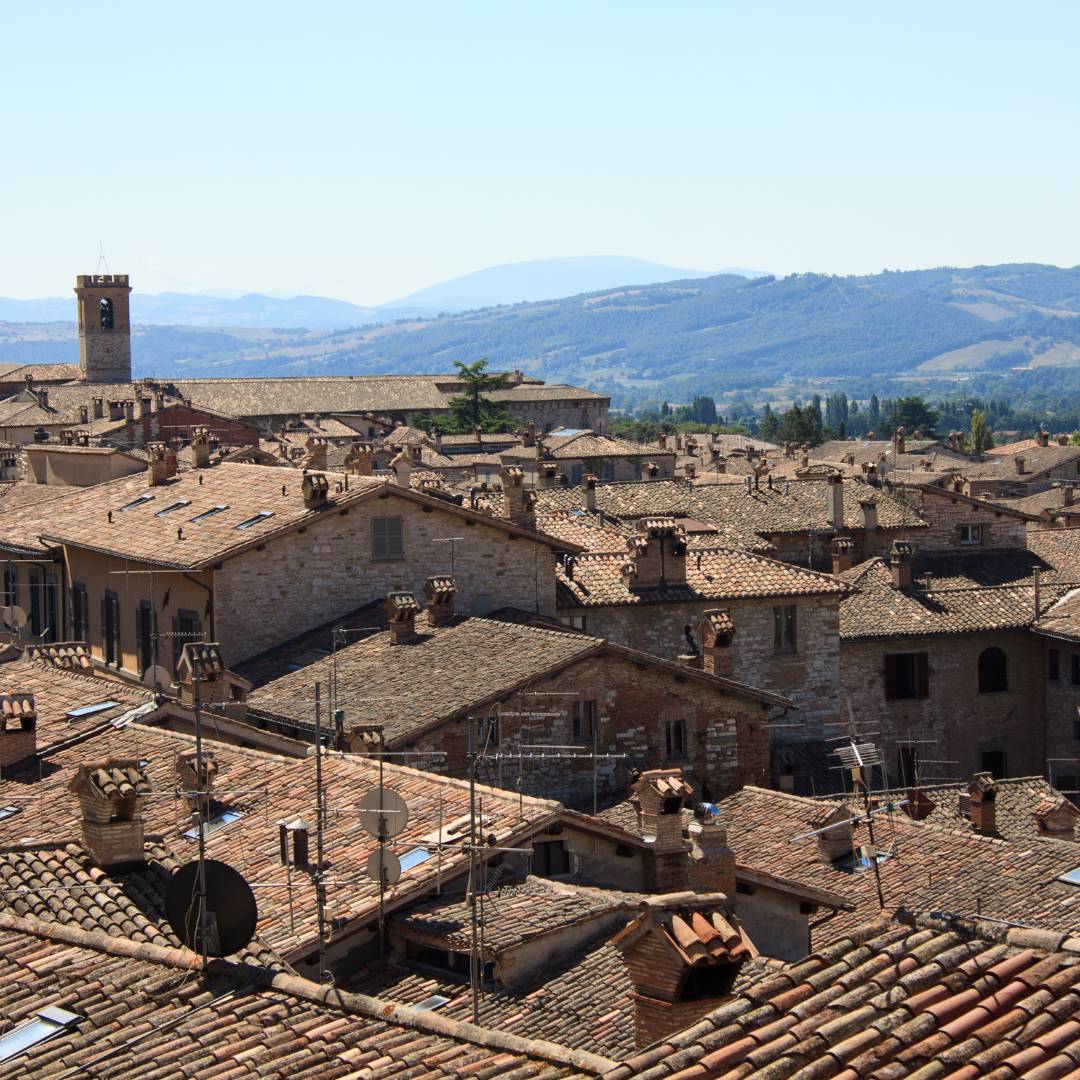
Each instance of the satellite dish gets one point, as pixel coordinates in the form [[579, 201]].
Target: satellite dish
[[156, 676], [383, 812], [383, 861], [14, 616], [230, 907]]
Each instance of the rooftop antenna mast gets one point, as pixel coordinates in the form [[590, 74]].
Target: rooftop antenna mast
[[102, 263]]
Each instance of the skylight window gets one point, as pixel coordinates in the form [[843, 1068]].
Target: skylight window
[[215, 824], [173, 507], [262, 515], [436, 1001], [136, 502], [89, 710], [1072, 877], [8, 811], [414, 858], [210, 513], [48, 1022]]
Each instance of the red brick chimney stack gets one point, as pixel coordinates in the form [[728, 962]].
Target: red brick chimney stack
[[900, 564], [439, 591], [18, 728], [717, 636]]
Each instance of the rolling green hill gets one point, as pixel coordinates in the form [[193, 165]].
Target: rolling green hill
[[928, 329]]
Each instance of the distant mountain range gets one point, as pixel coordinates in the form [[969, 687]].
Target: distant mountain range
[[511, 283], [940, 332]]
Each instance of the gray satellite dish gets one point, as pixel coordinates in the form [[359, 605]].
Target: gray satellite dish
[[383, 861], [383, 812], [156, 676], [230, 907], [14, 616]]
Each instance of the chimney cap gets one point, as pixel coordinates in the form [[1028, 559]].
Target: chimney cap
[[401, 606], [201, 660], [17, 707], [439, 589], [982, 787], [114, 779]]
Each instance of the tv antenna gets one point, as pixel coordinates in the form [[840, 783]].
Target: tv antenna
[[102, 262]]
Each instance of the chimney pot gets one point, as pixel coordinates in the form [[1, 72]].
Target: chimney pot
[[316, 490], [717, 636], [588, 488], [842, 550], [158, 453], [200, 446], [18, 728], [402, 465], [517, 502], [900, 563], [836, 502], [1019, 463], [110, 795], [439, 591], [401, 611], [982, 792]]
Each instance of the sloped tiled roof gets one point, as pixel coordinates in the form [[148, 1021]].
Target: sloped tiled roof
[[1036, 461], [714, 573], [924, 997], [1062, 620]]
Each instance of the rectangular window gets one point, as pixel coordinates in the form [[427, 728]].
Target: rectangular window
[[262, 515], [550, 858], [1074, 672], [209, 513], [1053, 665], [140, 501], [784, 631], [80, 612], [186, 628], [144, 635], [51, 604], [11, 585], [172, 508], [993, 762], [607, 470], [907, 676], [110, 628], [1069, 786], [37, 608], [575, 621], [675, 738], [214, 824], [45, 1025], [387, 538], [970, 534], [584, 721]]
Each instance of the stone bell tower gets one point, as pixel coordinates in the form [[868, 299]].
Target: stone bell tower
[[104, 327]]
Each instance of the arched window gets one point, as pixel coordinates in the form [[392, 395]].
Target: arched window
[[993, 671], [106, 313]]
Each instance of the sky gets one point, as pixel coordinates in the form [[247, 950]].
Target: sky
[[362, 150]]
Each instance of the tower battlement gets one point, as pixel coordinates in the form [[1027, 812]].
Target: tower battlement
[[83, 281]]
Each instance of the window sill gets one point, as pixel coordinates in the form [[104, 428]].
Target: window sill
[[388, 558]]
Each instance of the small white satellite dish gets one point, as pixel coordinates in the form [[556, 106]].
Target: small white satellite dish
[[383, 864], [649, 838], [383, 812], [14, 616], [156, 676]]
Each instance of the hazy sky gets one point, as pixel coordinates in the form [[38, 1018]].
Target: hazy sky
[[364, 150]]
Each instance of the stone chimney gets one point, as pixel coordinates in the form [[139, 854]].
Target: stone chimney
[[84, 414], [402, 465], [588, 492], [1063, 440], [658, 796], [900, 440], [110, 796], [316, 490], [200, 446], [316, 447], [202, 661], [900, 564], [129, 409], [439, 591], [1057, 817], [191, 781], [116, 410], [1020, 464], [712, 862], [158, 472], [842, 550], [717, 636], [657, 554], [18, 728], [1067, 492], [835, 832], [1043, 438], [546, 475], [360, 459], [142, 406], [401, 610], [836, 502], [157, 401], [982, 792], [517, 502], [416, 453], [99, 408], [528, 434]]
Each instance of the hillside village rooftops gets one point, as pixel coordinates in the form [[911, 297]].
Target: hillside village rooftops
[[1037, 461], [585, 444], [712, 573]]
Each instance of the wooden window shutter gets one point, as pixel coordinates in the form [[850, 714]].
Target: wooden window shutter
[[922, 675]]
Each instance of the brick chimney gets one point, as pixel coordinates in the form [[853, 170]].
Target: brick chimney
[[315, 488], [982, 795], [683, 954], [360, 459], [528, 434], [158, 472], [157, 401], [842, 550], [316, 447], [439, 591], [517, 502], [546, 475], [402, 465], [401, 610], [588, 492], [191, 781], [900, 440], [84, 414], [200, 446], [18, 728], [835, 833], [658, 796], [110, 796], [1043, 438], [129, 409], [203, 661], [1020, 464], [900, 564], [835, 493], [142, 406], [99, 408], [712, 862], [717, 635], [1057, 817], [116, 410], [657, 554]]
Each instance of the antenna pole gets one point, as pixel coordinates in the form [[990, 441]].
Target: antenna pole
[[474, 988], [320, 888], [200, 788]]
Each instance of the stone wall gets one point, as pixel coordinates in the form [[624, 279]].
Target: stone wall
[[1061, 710], [945, 514], [308, 577], [588, 413], [958, 722]]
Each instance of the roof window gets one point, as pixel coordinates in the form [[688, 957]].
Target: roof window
[[1072, 877], [414, 858], [262, 515], [135, 502], [436, 1001], [89, 710], [209, 513], [172, 507], [215, 824], [45, 1025], [8, 811]]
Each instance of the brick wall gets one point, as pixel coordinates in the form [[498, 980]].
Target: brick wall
[[1061, 710], [810, 676], [959, 721], [308, 577], [632, 705], [945, 514]]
